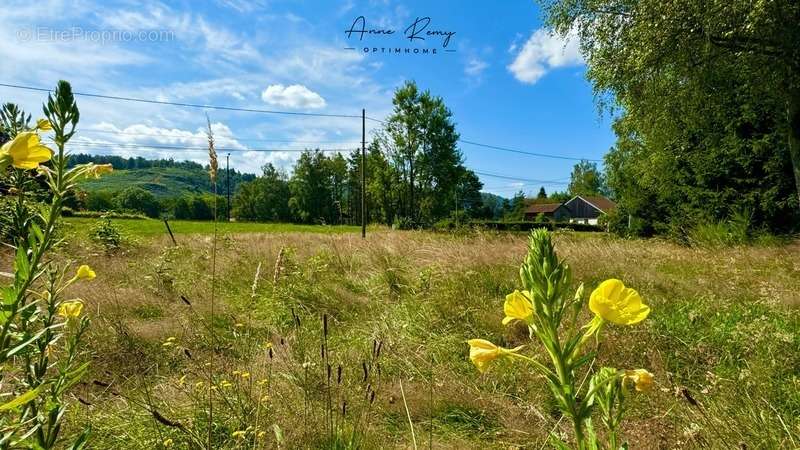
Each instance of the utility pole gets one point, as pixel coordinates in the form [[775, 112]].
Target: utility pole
[[228, 182], [363, 173]]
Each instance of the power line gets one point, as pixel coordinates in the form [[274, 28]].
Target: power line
[[529, 180], [202, 149], [525, 152], [186, 105], [291, 113], [204, 138], [507, 149]]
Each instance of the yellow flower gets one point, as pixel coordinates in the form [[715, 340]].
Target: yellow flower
[[85, 273], [239, 434], [245, 375], [613, 302], [26, 151], [518, 307], [44, 125], [95, 170], [483, 352], [70, 309], [641, 378]]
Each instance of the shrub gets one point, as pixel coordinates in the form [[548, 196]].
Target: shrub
[[107, 234], [139, 200]]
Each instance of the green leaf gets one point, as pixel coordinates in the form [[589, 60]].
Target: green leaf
[[81, 440], [21, 400], [21, 265]]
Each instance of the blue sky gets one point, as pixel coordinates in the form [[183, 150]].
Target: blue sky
[[508, 82]]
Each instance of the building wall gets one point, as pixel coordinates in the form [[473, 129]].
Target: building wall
[[580, 209]]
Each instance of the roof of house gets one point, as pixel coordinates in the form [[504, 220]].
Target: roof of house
[[537, 208], [599, 202]]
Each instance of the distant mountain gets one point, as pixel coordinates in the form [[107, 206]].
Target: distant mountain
[[163, 178], [494, 203]]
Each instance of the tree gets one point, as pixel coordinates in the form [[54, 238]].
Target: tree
[[310, 189], [709, 96], [139, 200], [264, 199], [337, 171], [420, 143], [542, 195], [516, 209], [586, 179]]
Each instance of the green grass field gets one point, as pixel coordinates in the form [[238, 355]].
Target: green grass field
[[153, 227], [722, 339]]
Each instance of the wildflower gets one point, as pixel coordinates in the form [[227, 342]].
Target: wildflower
[[85, 273], [167, 443], [95, 170], [239, 325], [261, 434], [225, 384], [26, 151], [44, 125], [239, 434], [483, 352], [245, 375], [613, 302], [262, 382], [518, 307], [70, 309], [641, 379]]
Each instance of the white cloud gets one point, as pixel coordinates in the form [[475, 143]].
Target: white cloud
[[294, 96], [544, 52], [475, 66]]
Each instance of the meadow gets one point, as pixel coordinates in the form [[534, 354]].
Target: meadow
[[392, 314]]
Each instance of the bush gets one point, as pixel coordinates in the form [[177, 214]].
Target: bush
[[99, 201], [107, 234], [139, 200]]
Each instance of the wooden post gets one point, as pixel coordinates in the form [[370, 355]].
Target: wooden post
[[169, 230], [228, 182], [363, 173]]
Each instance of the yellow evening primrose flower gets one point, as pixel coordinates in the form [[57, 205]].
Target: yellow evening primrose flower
[[613, 302], [239, 434], [70, 309], [518, 307], [483, 352], [96, 170], [641, 379], [44, 125], [85, 273], [167, 443], [26, 151]]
